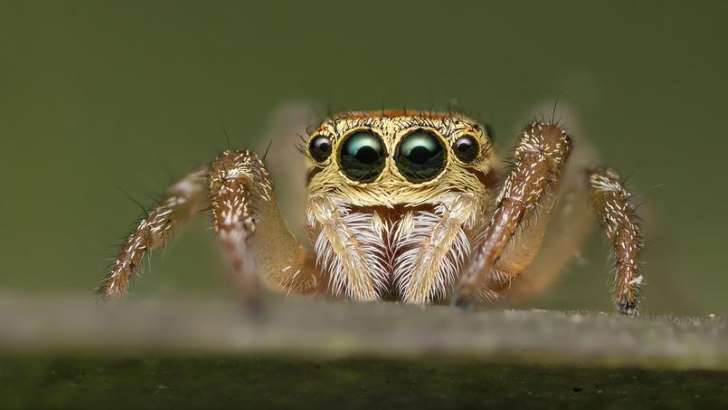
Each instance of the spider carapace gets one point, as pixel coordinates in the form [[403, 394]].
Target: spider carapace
[[408, 206]]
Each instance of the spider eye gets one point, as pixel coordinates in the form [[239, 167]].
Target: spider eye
[[362, 156], [320, 148], [420, 156], [466, 148]]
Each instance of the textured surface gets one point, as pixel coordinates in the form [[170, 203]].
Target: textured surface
[[301, 354], [274, 382], [333, 330]]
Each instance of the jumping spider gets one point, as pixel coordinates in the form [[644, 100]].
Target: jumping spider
[[408, 206]]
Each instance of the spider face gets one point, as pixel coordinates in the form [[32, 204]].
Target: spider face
[[395, 158], [384, 182]]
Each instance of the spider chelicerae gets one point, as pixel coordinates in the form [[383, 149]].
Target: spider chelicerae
[[403, 205]]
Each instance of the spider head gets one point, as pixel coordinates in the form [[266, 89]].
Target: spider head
[[397, 158]]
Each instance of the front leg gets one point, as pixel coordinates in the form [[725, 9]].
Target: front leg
[[540, 155], [259, 248]]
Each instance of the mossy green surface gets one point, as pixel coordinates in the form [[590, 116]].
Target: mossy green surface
[[362, 383], [79, 353]]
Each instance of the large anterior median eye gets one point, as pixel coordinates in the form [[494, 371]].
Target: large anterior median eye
[[362, 156], [420, 156]]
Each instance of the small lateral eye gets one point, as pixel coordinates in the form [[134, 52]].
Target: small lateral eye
[[466, 148], [320, 148]]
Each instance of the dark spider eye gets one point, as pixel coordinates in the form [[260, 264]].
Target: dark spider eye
[[320, 148], [362, 156], [466, 148], [420, 156]]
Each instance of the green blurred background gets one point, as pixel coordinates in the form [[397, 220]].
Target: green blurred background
[[98, 95]]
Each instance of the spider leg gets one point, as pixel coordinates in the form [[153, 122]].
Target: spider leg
[[540, 155], [620, 223], [553, 236], [579, 198], [182, 201], [259, 248]]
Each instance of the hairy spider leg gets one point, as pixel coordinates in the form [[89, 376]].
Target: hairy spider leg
[[181, 201], [555, 232], [619, 221], [530, 200], [601, 192], [529, 187], [259, 248]]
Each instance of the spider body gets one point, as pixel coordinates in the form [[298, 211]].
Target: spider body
[[409, 206], [404, 229]]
